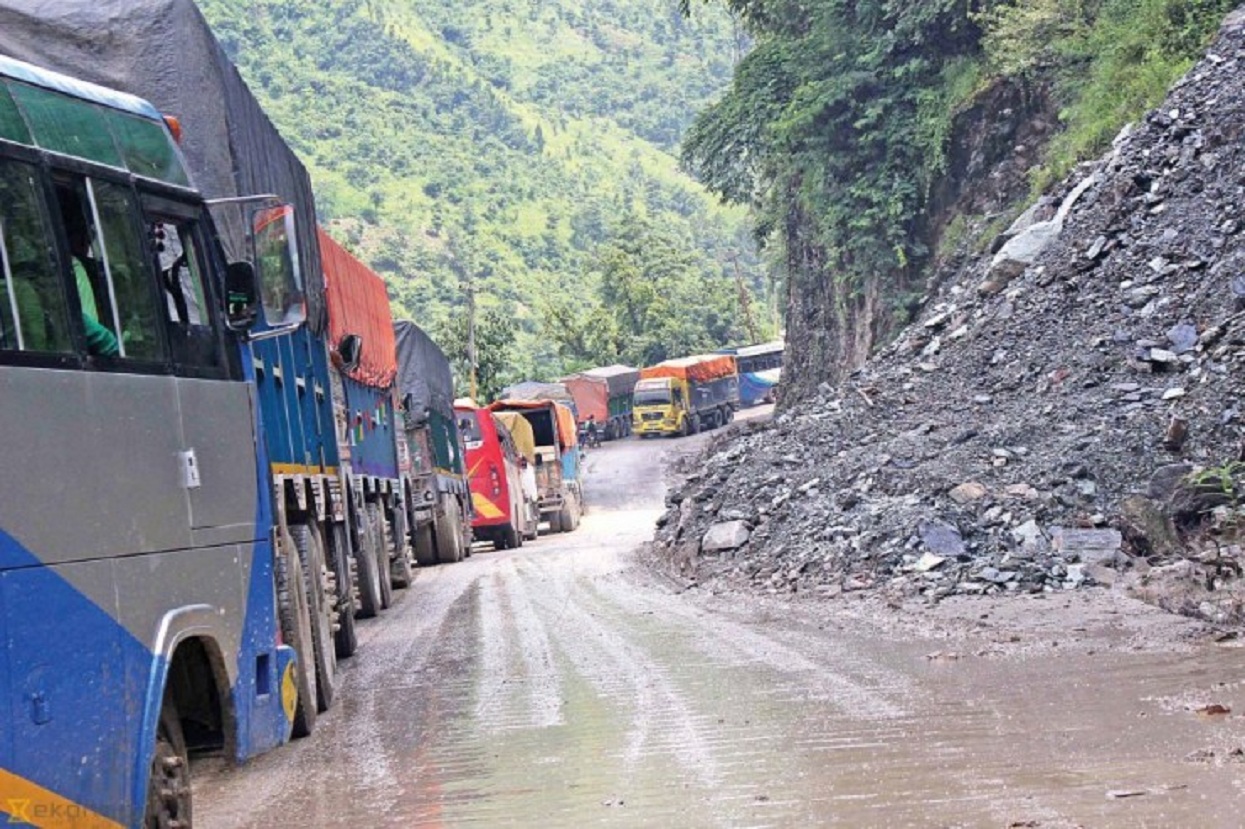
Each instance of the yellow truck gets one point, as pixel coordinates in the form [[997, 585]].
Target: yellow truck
[[686, 396]]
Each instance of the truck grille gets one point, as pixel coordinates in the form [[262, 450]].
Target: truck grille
[[652, 416]]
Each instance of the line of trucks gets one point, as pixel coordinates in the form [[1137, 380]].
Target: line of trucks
[[374, 467]]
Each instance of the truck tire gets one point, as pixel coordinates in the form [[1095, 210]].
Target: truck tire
[[425, 545], [380, 536], [346, 639], [555, 522], [449, 535], [370, 601], [168, 785], [322, 601], [695, 427], [402, 570], [293, 612]]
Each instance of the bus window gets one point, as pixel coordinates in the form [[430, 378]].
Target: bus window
[[177, 255], [33, 314], [112, 279]]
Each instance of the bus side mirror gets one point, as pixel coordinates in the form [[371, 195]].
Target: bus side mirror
[[350, 349], [241, 296]]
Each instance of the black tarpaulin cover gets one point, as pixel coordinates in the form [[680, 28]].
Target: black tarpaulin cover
[[423, 371], [164, 51]]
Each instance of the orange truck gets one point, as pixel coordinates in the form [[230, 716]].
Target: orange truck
[[606, 395]]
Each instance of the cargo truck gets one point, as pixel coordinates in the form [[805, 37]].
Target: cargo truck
[[686, 396], [605, 394], [557, 452], [432, 455], [532, 390]]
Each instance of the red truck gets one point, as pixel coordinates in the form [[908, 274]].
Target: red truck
[[504, 514]]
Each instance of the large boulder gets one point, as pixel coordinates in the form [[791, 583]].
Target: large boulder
[[728, 535]]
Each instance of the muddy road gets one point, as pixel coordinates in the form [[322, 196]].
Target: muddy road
[[564, 685]]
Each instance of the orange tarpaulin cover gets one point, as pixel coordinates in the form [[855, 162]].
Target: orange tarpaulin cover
[[699, 369], [568, 432], [359, 304]]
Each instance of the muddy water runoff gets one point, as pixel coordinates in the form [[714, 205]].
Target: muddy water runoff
[[561, 685]]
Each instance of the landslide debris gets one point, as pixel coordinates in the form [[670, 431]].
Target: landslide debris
[[1067, 412]]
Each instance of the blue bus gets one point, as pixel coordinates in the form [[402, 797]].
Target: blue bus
[[153, 600], [760, 370]]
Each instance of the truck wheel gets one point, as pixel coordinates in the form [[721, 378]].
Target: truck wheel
[[380, 536], [695, 427], [566, 518], [403, 568], [555, 522], [322, 596], [346, 639], [449, 535], [293, 612], [425, 545], [370, 602], [168, 785]]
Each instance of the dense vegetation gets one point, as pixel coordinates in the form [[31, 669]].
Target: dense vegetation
[[837, 127], [516, 149]]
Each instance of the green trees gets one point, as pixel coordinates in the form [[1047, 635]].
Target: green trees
[[837, 125], [489, 138], [652, 298]]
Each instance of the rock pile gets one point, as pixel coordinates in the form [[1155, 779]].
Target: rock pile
[[1058, 417]]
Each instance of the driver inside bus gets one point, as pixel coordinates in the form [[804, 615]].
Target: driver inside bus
[[99, 340]]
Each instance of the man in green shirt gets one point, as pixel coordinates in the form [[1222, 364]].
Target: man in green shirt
[[99, 340]]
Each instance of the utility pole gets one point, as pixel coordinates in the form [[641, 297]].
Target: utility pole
[[745, 302], [471, 332]]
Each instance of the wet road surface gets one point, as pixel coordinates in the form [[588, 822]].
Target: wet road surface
[[563, 685]]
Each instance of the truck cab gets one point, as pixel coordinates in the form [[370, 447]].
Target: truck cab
[[661, 407]]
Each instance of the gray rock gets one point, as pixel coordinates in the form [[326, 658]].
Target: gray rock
[[1030, 536], [1089, 546], [941, 539], [1147, 528], [1183, 337], [729, 535], [927, 562], [1165, 480]]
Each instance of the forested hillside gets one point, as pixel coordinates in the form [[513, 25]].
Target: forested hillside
[[523, 148], [874, 137]]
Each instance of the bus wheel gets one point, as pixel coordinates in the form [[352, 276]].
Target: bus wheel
[[345, 639], [513, 539], [322, 596], [425, 545], [295, 615], [168, 787], [380, 538]]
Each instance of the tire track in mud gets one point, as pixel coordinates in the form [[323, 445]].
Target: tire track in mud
[[515, 653]]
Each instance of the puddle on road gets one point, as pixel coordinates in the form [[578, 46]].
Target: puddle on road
[[1093, 741]]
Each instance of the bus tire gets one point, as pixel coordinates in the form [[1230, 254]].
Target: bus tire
[[380, 538], [321, 602], [168, 784], [514, 540], [294, 612], [425, 545], [346, 639], [369, 576]]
